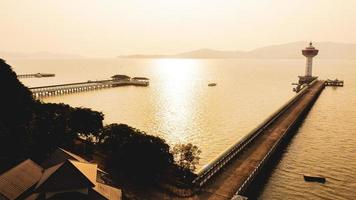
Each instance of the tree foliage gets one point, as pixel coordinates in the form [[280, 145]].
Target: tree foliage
[[32, 129], [186, 156], [132, 152], [86, 121]]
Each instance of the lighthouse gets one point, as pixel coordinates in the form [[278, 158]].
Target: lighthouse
[[309, 52]]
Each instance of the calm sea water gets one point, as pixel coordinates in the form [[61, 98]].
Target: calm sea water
[[180, 107]]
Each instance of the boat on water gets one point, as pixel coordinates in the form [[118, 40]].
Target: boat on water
[[212, 84], [310, 178]]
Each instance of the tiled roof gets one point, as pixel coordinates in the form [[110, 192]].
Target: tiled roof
[[19, 179]]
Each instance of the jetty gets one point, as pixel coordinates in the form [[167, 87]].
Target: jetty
[[334, 83], [37, 75], [232, 173], [70, 88]]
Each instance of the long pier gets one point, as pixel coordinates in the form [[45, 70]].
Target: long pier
[[61, 89], [231, 173], [37, 75]]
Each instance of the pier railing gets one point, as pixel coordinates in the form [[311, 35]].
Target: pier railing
[[217, 164]]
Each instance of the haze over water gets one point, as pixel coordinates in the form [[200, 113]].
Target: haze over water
[[179, 106]]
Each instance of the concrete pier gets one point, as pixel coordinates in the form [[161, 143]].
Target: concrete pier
[[232, 172]]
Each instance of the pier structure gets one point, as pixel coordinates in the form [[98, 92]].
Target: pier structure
[[334, 83], [37, 75], [61, 89], [230, 174]]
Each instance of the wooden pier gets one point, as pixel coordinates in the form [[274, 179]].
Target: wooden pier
[[37, 75], [232, 172]]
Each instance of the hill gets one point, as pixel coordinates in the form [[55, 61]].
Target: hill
[[36, 55], [329, 50]]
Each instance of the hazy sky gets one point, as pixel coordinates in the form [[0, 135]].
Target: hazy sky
[[115, 27]]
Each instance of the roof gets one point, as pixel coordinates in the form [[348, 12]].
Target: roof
[[120, 76], [28, 179], [63, 176], [140, 78], [88, 169], [108, 191], [33, 196], [19, 179], [59, 156]]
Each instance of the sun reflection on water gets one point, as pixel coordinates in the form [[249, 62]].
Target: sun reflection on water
[[177, 86]]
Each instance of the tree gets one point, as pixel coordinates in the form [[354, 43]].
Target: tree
[[186, 156], [32, 129], [135, 154], [49, 128], [15, 112], [86, 121]]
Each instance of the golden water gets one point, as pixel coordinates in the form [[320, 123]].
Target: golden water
[[179, 106]]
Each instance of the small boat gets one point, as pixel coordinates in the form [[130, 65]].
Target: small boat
[[212, 84], [318, 179]]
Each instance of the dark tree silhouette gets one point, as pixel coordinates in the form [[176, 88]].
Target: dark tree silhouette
[[32, 129], [15, 111], [131, 152], [86, 121]]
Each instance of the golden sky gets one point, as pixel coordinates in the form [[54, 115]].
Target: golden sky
[[116, 27]]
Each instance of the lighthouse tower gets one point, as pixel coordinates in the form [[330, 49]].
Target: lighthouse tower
[[309, 52]]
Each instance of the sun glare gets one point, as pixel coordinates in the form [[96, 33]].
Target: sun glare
[[175, 96]]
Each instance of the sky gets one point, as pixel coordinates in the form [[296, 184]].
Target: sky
[[105, 28]]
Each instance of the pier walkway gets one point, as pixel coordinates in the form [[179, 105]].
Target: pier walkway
[[54, 90], [229, 175], [37, 75]]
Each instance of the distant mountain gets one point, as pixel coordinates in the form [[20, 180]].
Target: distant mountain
[[36, 55], [330, 50]]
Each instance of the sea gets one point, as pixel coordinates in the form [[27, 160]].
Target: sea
[[180, 107]]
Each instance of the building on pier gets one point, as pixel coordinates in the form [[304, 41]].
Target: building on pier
[[121, 77], [309, 52]]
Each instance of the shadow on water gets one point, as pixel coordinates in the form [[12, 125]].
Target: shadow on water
[[256, 188]]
